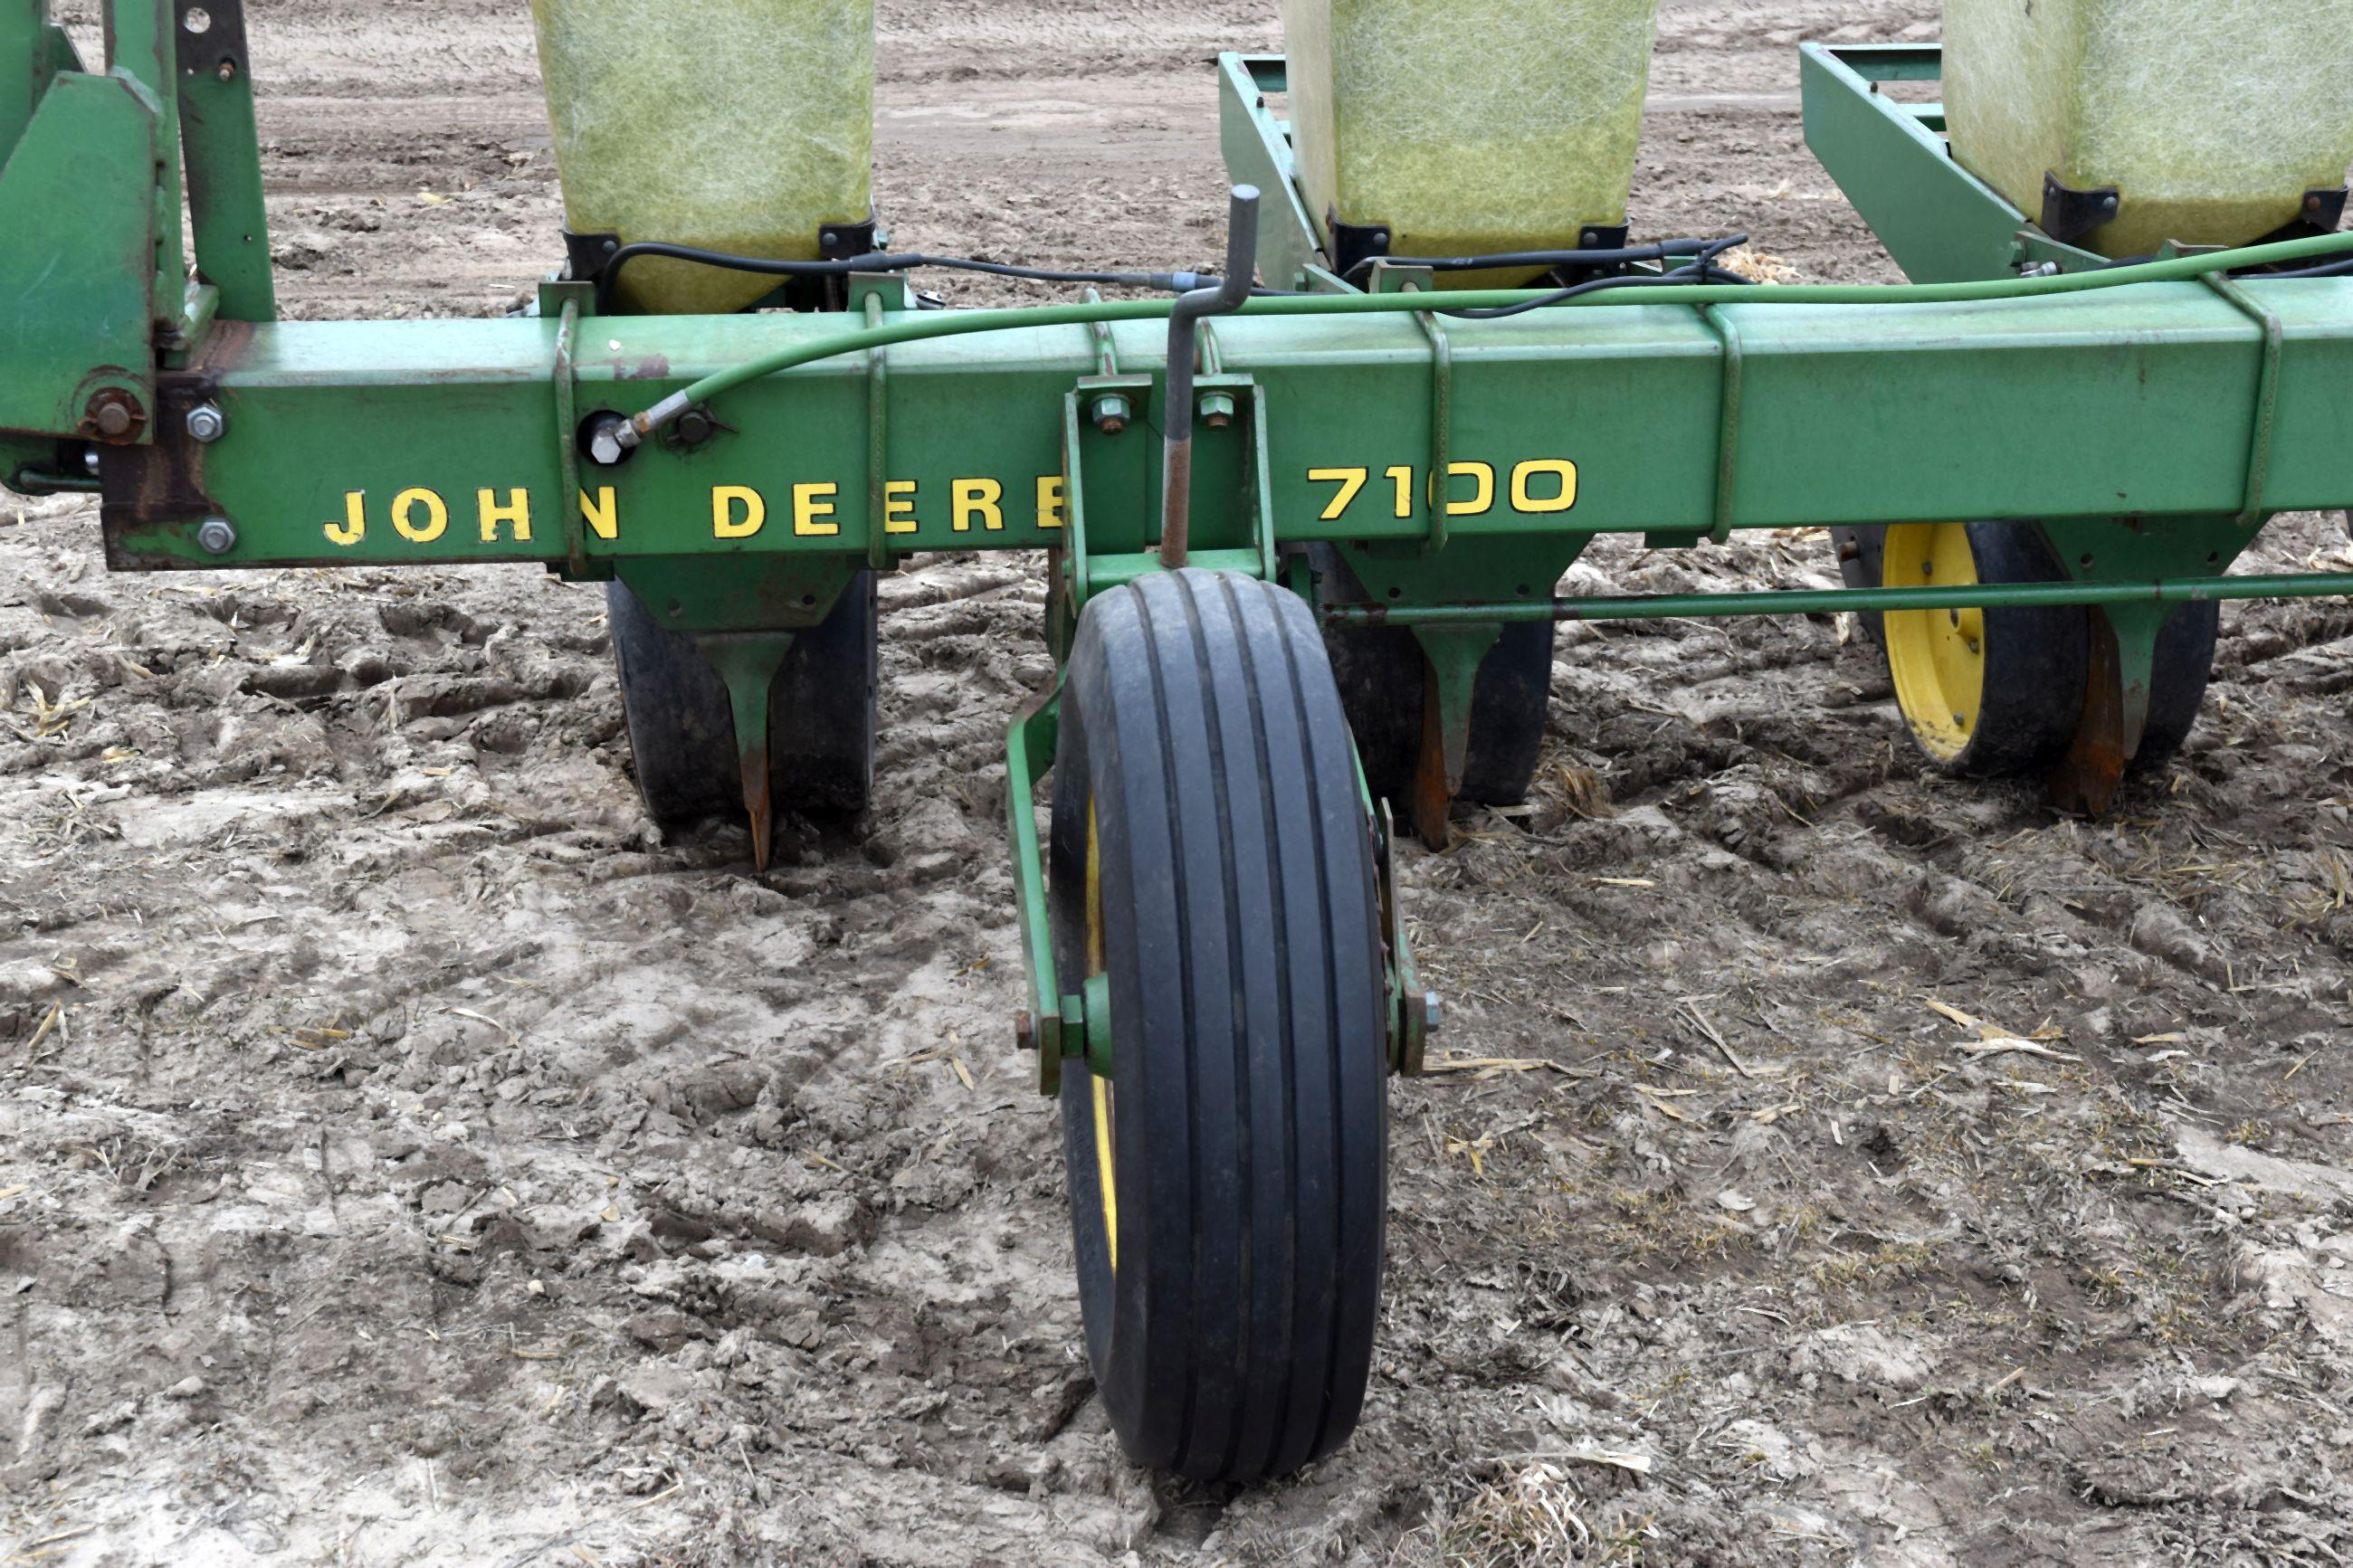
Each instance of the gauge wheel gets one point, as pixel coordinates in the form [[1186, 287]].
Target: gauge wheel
[[1211, 883], [1380, 671], [1986, 692], [682, 730]]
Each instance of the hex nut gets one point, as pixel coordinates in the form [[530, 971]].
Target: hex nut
[[216, 536], [1433, 1011], [206, 422], [1110, 413]]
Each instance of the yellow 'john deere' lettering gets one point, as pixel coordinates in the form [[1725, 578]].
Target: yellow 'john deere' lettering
[[504, 515], [727, 501], [353, 528]]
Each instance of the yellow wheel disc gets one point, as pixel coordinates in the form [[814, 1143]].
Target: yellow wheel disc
[[1936, 656], [1106, 1182]]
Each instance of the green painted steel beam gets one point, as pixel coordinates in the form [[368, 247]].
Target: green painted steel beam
[[1831, 601], [223, 160], [1256, 148], [2124, 402], [1941, 223]]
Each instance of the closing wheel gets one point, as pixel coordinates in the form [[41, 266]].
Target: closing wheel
[[1380, 670], [2002, 690], [682, 730], [1212, 868]]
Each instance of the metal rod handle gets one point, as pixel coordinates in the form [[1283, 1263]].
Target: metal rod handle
[[1177, 449]]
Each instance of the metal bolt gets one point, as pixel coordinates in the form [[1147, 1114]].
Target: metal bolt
[[605, 442], [1433, 1011], [1217, 409], [113, 413], [693, 428], [229, 71], [1112, 412], [206, 422], [1025, 1031], [216, 536], [89, 459]]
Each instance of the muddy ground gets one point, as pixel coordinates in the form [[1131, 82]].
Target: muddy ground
[[406, 1156]]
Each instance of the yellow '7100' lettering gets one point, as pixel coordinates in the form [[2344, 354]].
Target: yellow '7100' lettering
[[1538, 487]]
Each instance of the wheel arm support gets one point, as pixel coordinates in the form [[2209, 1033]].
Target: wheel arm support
[[1077, 1025], [1048, 1022]]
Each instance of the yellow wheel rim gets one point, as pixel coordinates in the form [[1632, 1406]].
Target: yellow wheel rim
[[1936, 656], [1106, 1184]]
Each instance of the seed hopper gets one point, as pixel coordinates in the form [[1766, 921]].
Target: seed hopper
[[1302, 519]]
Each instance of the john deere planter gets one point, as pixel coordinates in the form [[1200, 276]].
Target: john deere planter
[[1305, 515]]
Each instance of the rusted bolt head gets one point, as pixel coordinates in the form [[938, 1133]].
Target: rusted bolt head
[[1025, 1031], [114, 415], [1110, 413]]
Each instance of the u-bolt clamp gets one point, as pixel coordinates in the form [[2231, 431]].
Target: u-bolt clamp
[[1177, 450]]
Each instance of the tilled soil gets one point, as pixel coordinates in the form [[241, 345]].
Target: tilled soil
[[407, 1156]]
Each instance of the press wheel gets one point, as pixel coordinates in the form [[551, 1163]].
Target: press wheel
[[1212, 874], [2000, 690], [821, 712]]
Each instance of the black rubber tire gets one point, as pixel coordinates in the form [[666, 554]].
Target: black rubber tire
[[2036, 657], [1201, 735], [2185, 650], [2185, 663], [821, 713], [1380, 672], [1862, 553]]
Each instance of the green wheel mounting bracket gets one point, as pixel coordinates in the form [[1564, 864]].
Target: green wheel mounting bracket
[[1049, 1024], [1075, 1026]]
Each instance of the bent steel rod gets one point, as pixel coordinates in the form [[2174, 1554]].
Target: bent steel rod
[[1184, 328]]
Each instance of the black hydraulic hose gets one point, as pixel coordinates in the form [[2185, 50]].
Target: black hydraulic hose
[[1702, 270], [1658, 250], [2333, 270], [840, 266]]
